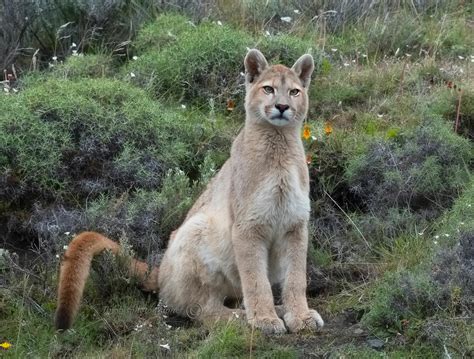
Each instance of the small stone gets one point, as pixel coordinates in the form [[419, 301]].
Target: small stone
[[376, 343]]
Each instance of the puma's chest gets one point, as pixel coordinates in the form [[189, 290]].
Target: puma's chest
[[280, 200]]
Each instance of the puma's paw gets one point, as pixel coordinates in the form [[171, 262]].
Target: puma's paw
[[269, 325], [308, 320]]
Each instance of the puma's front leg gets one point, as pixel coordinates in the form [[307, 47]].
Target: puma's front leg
[[251, 253], [297, 314]]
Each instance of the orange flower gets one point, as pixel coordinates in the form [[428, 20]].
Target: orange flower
[[230, 105], [306, 132], [327, 128]]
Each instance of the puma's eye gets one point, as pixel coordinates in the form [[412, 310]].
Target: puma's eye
[[294, 92], [268, 89]]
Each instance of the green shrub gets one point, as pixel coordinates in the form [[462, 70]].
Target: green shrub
[[201, 66], [91, 66], [422, 169], [165, 30]]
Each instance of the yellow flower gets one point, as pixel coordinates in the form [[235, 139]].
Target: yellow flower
[[327, 128], [5, 345], [306, 132]]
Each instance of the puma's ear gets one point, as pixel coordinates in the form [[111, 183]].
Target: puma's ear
[[304, 67], [254, 63]]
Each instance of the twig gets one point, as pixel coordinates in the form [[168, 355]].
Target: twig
[[458, 112], [350, 219]]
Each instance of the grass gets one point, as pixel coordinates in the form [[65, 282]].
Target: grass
[[124, 136]]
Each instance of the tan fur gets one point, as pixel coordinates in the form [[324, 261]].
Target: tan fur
[[248, 230]]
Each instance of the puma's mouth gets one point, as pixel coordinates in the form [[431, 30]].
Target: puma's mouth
[[279, 121]]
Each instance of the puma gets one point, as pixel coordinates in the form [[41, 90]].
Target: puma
[[247, 231]]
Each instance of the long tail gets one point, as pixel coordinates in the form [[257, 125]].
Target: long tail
[[75, 270]]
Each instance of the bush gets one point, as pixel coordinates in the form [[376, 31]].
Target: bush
[[162, 32], [201, 66], [422, 170], [91, 66]]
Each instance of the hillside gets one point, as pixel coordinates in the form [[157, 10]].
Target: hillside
[[119, 120]]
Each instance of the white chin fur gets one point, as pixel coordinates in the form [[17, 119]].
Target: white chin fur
[[279, 122]]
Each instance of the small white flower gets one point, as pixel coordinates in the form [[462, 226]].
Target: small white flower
[[435, 242], [437, 237], [364, 55], [135, 58], [183, 106], [65, 247], [461, 57], [168, 326], [55, 58], [469, 205], [296, 11], [461, 223], [166, 346], [235, 315], [132, 75], [57, 255], [6, 89], [15, 90], [267, 33], [380, 115], [333, 50], [67, 233], [408, 55], [73, 45], [74, 52], [354, 61], [447, 235], [219, 22], [313, 138], [286, 19], [242, 74], [420, 233], [346, 64]]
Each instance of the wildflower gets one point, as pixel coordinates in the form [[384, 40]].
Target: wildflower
[[55, 58], [461, 57], [183, 106], [334, 50], [306, 132], [74, 53], [132, 74], [296, 11], [219, 22], [5, 345], [73, 45], [135, 58], [267, 33], [286, 19], [166, 346], [230, 105], [327, 128], [346, 64], [67, 233], [65, 247]]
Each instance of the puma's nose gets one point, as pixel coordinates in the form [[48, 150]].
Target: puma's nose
[[282, 108]]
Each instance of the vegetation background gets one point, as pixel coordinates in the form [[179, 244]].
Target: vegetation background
[[114, 114]]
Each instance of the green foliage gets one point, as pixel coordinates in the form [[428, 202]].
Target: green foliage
[[202, 65], [422, 170], [236, 340], [90, 66], [162, 32]]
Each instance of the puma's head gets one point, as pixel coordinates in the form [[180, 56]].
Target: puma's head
[[277, 95]]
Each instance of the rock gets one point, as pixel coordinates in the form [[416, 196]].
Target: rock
[[376, 343]]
